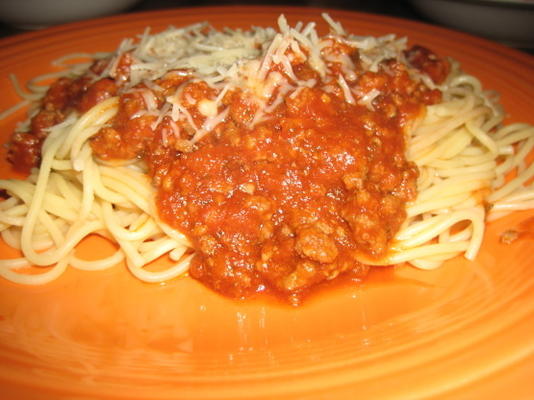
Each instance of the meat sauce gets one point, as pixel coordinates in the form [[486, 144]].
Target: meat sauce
[[64, 96], [282, 205]]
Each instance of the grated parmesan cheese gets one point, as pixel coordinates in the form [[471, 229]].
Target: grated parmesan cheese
[[259, 62]]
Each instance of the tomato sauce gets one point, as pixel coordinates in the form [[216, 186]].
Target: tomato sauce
[[293, 201]]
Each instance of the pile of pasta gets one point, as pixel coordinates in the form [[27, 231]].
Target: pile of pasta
[[472, 169], [71, 196]]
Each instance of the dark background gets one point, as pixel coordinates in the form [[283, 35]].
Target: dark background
[[401, 9], [398, 8]]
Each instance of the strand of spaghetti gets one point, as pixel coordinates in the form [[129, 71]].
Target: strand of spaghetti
[[474, 151], [506, 130], [85, 126], [425, 252], [495, 214], [19, 189], [460, 236], [130, 219], [28, 97], [142, 232], [156, 248], [177, 253], [510, 163], [512, 185], [147, 230], [492, 123], [447, 250], [12, 110], [13, 216], [8, 203], [475, 129], [160, 276], [426, 137], [36, 86], [84, 154], [173, 233], [448, 171], [134, 179], [14, 263], [97, 265], [36, 279], [456, 184], [451, 105], [60, 61], [51, 202], [130, 248], [430, 263], [516, 159], [107, 194], [438, 205], [527, 197], [81, 152], [136, 191], [52, 144], [523, 137], [462, 159], [11, 239], [509, 130], [75, 234], [51, 228], [135, 221], [524, 194], [65, 188], [61, 165], [513, 206], [445, 237], [59, 207], [525, 149], [446, 149], [88, 189], [465, 80], [415, 225], [133, 196], [41, 239], [433, 227], [426, 177], [476, 199], [73, 67]]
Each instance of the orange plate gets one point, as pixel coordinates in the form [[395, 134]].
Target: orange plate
[[463, 331]]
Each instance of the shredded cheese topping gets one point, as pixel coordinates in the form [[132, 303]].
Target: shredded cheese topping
[[260, 62]]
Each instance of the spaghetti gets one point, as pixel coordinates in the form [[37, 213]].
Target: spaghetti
[[105, 169]]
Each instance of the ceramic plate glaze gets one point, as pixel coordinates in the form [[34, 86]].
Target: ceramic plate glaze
[[465, 330]]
